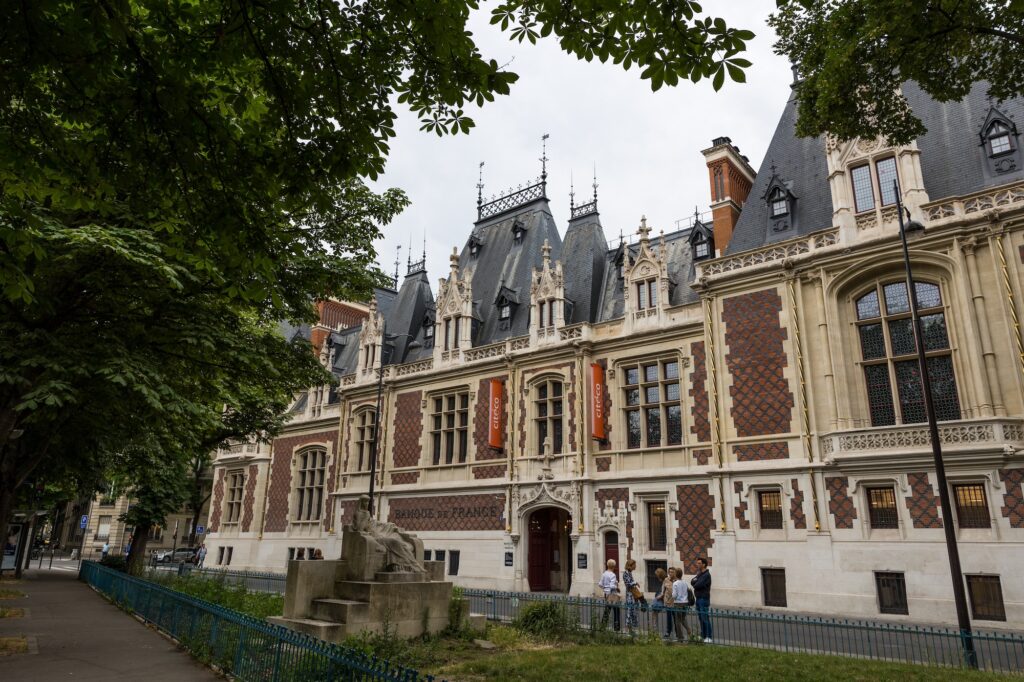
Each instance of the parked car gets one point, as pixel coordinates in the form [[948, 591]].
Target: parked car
[[177, 556]]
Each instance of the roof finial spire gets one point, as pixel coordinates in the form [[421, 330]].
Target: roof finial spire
[[398, 260], [408, 255], [424, 245], [480, 186], [546, 251], [544, 158], [643, 230], [621, 237], [595, 185], [572, 193], [454, 259]]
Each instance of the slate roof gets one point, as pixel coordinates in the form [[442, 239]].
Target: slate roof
[[953, 163]]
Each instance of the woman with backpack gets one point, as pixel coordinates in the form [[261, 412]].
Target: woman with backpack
[[682, 595]]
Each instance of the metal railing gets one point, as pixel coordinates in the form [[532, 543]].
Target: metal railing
[[251, 580], [873, 640], [245, 648]]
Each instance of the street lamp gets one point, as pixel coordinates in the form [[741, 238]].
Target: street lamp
[[380, 397], [959, 595]]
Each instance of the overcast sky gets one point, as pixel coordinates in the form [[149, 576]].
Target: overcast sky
[[646, 146]]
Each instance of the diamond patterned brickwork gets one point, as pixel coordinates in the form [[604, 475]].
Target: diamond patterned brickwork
[[618, 496], [696, 521], [762, 402], [840, 504], [570, 408], [1013, 498], [216, 501], [741, 509], [759, 452], [482, 416], [280, 488], [448, 512], [491, 471], [603, 464], [922, 503], [702, 457], [249, 500], [606, 444], [405, 477], [701, 427], [408, 428], [796, 506]]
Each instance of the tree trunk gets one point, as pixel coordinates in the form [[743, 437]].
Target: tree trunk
[[6, 507], [136, 563]]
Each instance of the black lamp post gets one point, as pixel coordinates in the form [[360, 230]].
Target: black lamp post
[[959, 595]]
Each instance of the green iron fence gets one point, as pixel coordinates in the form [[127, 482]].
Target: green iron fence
[[246, 648], [874, 640], [257, 581]]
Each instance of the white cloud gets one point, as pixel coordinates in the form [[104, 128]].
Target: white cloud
[[646, 146]]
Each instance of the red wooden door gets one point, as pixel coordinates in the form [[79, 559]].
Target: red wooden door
[[539, 559], [611, 549]]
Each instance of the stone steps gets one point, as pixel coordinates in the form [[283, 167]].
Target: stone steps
[[346, 611], [325, 630]]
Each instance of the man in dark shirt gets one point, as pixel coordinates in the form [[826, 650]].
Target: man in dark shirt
[[701, 584]]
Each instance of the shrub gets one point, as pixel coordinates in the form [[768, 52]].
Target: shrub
[[504, 637], [115, 561], [547, 619]]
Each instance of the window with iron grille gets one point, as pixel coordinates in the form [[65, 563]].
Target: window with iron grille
[[233, 496], [548, 411], [882, 508], [773, 586], [652, 404], [364, 438], [769, 504], [309, 488], [657, 528], [647, 294], [653, 582], [889, 354], [986, 595], [892, 593], [450, 427], [971, 505]]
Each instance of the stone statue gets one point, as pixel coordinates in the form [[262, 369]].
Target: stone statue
[[401, 546]]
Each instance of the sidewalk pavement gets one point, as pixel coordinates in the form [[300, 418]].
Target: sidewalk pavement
[[79, 635]]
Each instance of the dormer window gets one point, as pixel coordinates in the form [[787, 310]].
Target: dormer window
[[428, 332], [647, 294], [475, 244], [701, 249], [518, 230], [702, 240], [999, 139], [778, 202], [504, 312]]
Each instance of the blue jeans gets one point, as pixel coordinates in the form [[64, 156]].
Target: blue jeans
[[703, 604]]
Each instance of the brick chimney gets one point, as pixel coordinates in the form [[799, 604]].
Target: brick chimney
[[334, 314], [731, 178]]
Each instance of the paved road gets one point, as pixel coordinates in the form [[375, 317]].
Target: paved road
[[80, 635]]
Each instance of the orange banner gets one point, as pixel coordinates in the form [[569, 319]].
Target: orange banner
[[495, 435], [597, 394]]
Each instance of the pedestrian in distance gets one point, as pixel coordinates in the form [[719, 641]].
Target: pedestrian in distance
[[104, 551], [201, 555], [701, 584], [682, 598], [318, 554], [609, 585], [634, 595], [300, 555]]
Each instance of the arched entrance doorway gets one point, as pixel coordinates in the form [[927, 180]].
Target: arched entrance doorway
[[549, 552]]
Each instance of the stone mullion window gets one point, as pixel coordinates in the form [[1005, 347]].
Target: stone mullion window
[[549, 415], [364, 438], [309, 489], [646, 294], [889, 354], [233, 498], [865, 190], [652, 404], [449, 433]]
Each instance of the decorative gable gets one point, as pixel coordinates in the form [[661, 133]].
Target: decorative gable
[[454, 314], [547, 298], [999, 143], [781, 203], [371, 341], [646, 285]]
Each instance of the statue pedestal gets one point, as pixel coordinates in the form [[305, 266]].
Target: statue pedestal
[[334, 599]]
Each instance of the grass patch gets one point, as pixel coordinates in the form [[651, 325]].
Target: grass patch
[[9, 612], [11, 594], [13, 645], [657, 662], [217, 591]]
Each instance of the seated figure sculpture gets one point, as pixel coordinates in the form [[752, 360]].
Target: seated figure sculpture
[[402, 549]]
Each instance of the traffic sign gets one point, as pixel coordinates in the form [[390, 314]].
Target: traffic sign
[[200, 530], [84, 522]]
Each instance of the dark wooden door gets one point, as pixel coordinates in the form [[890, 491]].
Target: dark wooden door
[[611, 548], [539, 559]]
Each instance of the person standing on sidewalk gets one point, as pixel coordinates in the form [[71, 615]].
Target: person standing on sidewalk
[[104, 551], [702, 592], [681, 603], [609, 585], [664, 598], [201, 555]]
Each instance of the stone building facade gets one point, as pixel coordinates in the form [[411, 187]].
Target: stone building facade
[[743, 389]]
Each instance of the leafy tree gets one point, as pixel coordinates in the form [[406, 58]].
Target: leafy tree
[[854, 55], [171, 167]]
